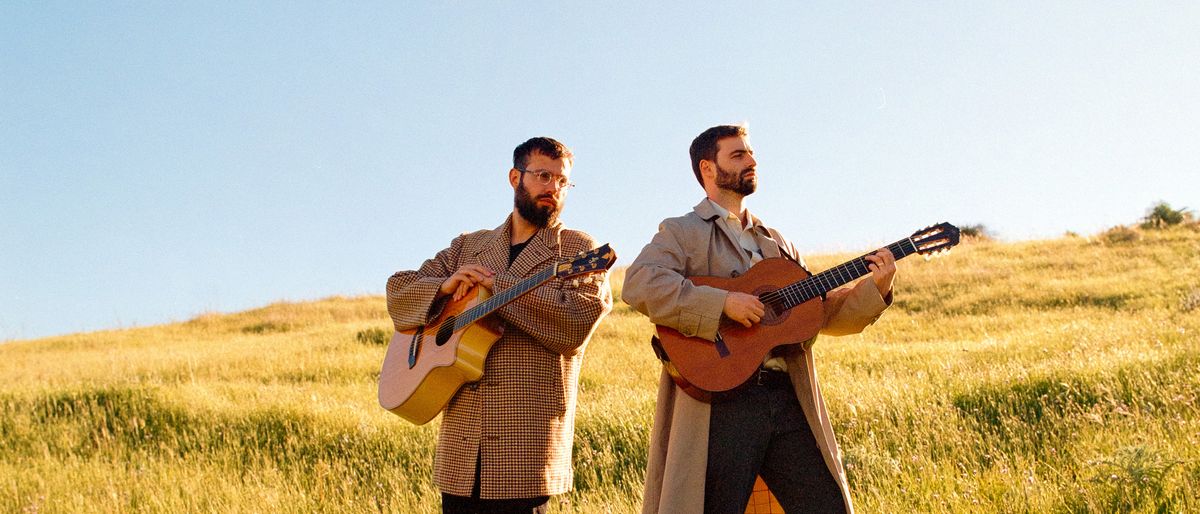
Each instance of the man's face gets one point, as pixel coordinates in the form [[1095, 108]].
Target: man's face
[[539, 203], [736, 166]]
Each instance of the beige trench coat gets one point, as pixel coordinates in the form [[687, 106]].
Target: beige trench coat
[[521, 413], [695, 245]]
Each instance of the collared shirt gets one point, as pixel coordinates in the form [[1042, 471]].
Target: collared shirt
[[747, 242], [743, 230]]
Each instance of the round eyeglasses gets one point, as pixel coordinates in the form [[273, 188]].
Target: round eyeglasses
[[545, 178]]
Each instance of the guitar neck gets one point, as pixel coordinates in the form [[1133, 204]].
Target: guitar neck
[[832, 278], [502, 298]]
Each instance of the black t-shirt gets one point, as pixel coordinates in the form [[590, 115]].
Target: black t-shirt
[[515, 250]]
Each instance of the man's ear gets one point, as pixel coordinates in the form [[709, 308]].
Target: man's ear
[[708, 170], [514, 177]]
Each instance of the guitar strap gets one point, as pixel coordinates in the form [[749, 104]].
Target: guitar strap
[[658, 349]]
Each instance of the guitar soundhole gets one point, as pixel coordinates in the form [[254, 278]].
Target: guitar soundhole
[[773, 311], [445, 331]]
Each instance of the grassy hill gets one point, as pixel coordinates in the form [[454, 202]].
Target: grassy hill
[[1047, 376]]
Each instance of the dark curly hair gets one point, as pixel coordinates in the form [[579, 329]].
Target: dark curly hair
[[543, 145]]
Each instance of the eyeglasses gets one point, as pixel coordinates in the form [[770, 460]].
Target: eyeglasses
[[545, 177]]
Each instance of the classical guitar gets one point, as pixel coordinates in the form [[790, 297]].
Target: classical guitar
[[425, 366], [793, 302]]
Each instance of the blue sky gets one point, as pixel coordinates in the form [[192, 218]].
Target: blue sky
[[163, 160]]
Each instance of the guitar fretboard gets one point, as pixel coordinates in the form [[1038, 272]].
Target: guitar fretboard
[[502, 298], [802, 291]]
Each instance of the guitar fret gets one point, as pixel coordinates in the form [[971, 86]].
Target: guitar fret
[[828, 280], [810, 292], [804, 290], [498, 300]]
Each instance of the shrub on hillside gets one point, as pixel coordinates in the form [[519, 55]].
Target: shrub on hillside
[[373, 335], [1162, 215], [1132, 479], [267, 327], [1120, 234], [976, 232]]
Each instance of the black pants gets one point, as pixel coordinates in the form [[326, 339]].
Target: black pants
[[473, 504], [761, 430], [463, 505]]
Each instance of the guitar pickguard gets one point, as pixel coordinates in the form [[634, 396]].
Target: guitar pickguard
[[414, 347]]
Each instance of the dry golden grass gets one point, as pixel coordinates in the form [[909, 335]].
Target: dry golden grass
[[1047, 376]]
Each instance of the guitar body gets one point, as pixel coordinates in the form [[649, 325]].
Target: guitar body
[[726, 364], [418, 392]]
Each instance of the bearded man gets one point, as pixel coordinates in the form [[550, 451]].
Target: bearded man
[[704, 457], [505, 441]]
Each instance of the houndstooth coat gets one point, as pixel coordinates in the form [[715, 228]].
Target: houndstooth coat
[[520, 416]]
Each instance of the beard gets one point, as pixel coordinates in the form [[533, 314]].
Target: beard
[[737, 182], [527, 206]]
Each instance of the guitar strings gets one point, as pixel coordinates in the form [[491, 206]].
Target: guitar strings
[[809, 288], [497, 300]]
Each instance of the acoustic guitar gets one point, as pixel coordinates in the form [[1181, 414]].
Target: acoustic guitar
[[793, 302], [426, 365]]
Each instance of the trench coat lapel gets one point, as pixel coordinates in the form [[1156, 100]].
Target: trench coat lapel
[[705, 210], [769, 247]]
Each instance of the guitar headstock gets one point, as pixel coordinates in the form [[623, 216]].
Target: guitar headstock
[[935, 240], [591, 261]]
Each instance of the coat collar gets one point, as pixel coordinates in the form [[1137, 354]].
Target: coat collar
[[762, 236], [705, 210], [493, 253], [708, 211]]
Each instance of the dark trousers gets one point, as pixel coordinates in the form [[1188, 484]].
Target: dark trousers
[[463, 505], [473, 504], [761, 430]]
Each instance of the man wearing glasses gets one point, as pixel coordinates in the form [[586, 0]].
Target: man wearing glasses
[[704, 456], [505, 441]]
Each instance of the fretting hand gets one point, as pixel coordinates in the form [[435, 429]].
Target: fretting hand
[[883, 269], [464, 279]]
